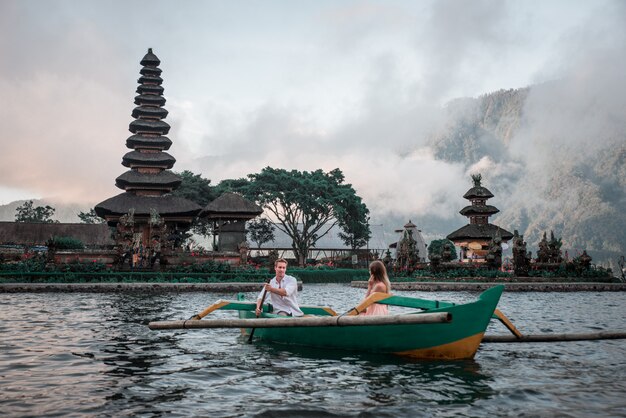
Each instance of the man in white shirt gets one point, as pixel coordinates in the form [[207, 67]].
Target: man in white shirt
[[282, 291]]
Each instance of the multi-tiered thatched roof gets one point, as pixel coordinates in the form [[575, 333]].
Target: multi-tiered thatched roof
[[149, 181]]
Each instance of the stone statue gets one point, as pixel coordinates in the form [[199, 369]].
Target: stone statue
[[388, 260], [494, 255], [156, 251], [435, 263], [521, 258], [123, 237], [585, 260], [125, 252], [128, 220], [408, 254], [244, 250], [477, 178], [446, 253], [543, 253], [554, 249], [125, 226], [155, 219]]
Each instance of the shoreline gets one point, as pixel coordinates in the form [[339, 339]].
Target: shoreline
[[144, 287]]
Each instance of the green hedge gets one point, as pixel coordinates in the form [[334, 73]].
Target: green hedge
[[144, 277], [570, 270], [78, 275], [34, 271], [30, 265], [65, 243], [323, 275]]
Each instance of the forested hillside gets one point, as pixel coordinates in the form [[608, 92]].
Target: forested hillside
[[552, 166]]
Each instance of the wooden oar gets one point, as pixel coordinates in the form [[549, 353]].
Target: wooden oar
[[210, 309], [258, 314], [507, 323], [370, 300], [307, 321]]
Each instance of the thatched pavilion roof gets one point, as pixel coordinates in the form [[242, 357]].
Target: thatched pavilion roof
[[231, 205]]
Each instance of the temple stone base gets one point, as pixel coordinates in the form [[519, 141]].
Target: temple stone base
[[508, 287]]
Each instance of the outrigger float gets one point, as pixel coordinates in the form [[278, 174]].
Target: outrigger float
[[434, 330]]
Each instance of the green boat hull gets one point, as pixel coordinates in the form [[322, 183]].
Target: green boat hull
[[458, 339]]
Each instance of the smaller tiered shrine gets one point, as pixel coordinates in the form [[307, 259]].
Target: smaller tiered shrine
[[476, 238], [147, 218], [410, 249]]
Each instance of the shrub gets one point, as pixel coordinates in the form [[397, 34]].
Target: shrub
[[65, 243], [319, 275], [207, 267]]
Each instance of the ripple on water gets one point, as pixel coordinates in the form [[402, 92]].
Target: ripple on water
[[85, 354]]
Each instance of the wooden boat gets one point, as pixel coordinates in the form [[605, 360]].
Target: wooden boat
[[430, 330]]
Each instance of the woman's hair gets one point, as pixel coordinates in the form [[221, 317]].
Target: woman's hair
[[379, 273]]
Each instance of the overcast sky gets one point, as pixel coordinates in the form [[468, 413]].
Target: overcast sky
[[291, 84]]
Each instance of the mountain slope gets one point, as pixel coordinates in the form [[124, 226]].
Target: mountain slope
[[550, 174]]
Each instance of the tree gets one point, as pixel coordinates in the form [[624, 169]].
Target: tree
[[28, 213], [195, 188], [200, 191], [90, 217], [436, 247], [261, 230], [232, 185], [307, 205], [354, 222]]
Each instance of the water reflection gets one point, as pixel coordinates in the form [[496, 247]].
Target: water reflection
[[386, 379]]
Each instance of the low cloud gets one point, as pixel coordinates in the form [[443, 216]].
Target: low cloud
[[366, 96]]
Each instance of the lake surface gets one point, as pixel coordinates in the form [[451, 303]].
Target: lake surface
[[85, 354]]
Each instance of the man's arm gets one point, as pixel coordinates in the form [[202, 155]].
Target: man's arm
[[291, 287], [276, 290], [260, 299]]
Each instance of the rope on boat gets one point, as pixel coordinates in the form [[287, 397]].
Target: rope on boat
[[288, 322], [551, 338]]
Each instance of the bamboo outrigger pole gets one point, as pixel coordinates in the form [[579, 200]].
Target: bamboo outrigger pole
[[551, 338], [323, 321], [518, 337]]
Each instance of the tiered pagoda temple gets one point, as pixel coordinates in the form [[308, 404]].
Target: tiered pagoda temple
[[146, 213], [474, 239]]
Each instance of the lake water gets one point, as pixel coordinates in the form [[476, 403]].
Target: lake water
[[93, 355]]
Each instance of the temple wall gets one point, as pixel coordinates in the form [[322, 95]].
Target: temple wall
[[28, 234], [232, 258], [84, 256]]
